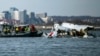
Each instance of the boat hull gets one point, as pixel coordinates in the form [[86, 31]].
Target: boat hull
[[31, 34]]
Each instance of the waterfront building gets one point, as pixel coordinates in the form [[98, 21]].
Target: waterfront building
[[2, 16], [23, 17], [13, 11], [45, 19], [16, 15], [26, 17], [7, 15], [41, 15], [32, 19]]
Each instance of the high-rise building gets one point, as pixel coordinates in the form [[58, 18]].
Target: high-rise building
[[32, 19], [32, 15], [26, 17], [7, 15], [16, 15], [2, 16], [23, 17]]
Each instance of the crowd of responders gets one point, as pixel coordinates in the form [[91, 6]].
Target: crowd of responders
[[7, 29]]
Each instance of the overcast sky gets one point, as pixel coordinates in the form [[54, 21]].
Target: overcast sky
[[55, 7]]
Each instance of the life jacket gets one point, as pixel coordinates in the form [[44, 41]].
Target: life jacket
[[4, 30], [27, 29], [17, 29], [8, 30]]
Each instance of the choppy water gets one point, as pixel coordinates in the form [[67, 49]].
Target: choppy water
[[40, 46]]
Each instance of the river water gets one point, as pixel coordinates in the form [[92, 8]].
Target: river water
[[41, 46]]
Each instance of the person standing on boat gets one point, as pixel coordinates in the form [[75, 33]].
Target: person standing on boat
[[5, 30], [27, 29], [16, 29], [32, 28]]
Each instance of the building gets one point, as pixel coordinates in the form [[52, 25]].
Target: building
[[23, 17], [2, 19], [16, 15], [2, 15], [7, 15], [32, 19], [26, 17], [41, 15], [45, 19]]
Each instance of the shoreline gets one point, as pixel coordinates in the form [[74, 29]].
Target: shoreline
[[43, 27], [49, 27]]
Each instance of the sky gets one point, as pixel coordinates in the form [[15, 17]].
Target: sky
[[55, 7]]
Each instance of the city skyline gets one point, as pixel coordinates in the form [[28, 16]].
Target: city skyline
[[55, 7]]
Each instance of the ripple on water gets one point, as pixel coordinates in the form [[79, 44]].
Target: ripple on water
[[49, 47]]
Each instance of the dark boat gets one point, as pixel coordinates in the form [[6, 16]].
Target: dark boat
[[19, 31]]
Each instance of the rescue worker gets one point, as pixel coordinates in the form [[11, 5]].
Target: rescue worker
[[16, 29], [5, 30], [27, 29], [8, 30], [32, 28]]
